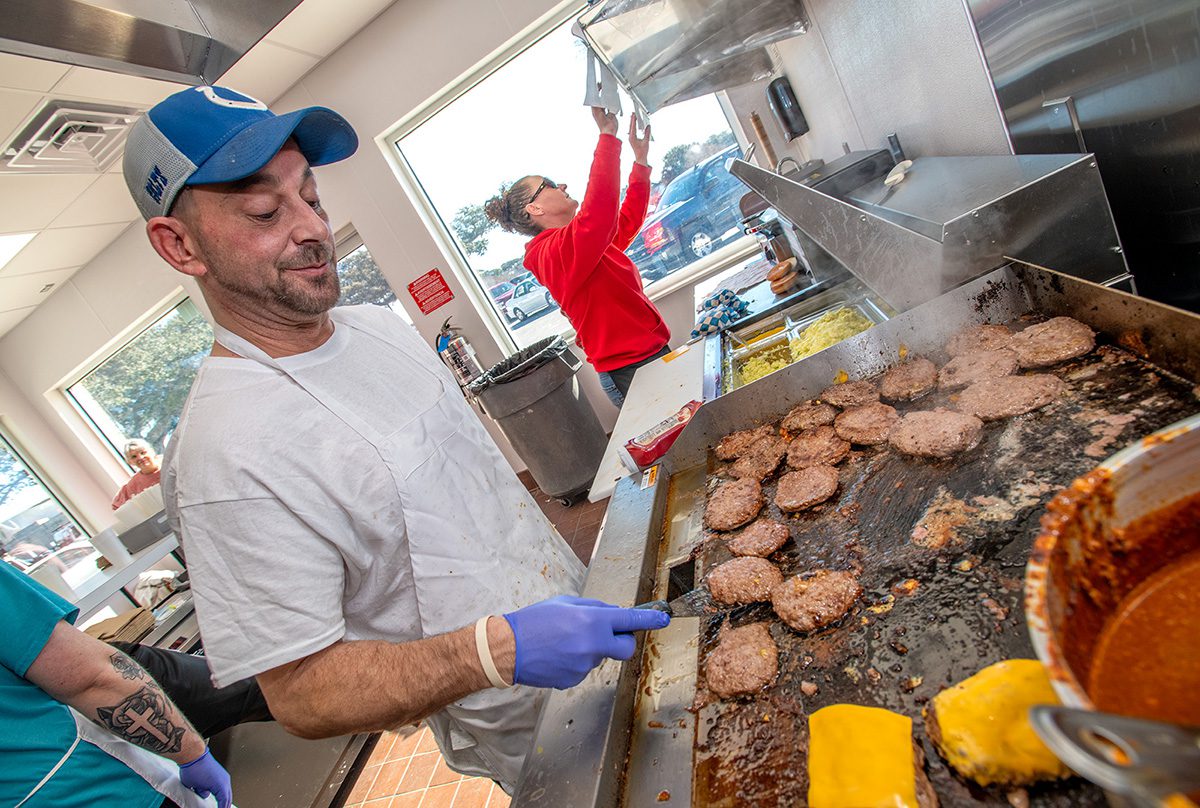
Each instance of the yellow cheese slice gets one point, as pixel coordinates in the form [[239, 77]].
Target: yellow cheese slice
[[860, 757], [985, 729]]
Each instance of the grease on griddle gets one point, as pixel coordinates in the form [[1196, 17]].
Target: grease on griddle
[[939, 629], [938, 527]]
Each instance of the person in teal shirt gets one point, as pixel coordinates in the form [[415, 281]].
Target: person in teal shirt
[[47, 758]]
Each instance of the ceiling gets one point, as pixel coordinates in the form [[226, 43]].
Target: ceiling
[[74, 216]]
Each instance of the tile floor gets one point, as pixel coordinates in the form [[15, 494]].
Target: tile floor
[[405, 769], [578, 524]]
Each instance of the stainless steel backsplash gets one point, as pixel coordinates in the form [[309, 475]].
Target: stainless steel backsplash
[[1131, 70]]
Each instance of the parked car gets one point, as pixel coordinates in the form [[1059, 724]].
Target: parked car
[[51, 532], [697, 213], [528, 298], [501, 293], [23, 555], [76, 562]]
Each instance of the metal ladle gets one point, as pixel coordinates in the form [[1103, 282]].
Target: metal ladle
[[1148, 763]]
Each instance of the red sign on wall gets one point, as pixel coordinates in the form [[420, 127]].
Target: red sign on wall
[[430, 291]]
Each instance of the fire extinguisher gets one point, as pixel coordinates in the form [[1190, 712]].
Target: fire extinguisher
[[457, 353]]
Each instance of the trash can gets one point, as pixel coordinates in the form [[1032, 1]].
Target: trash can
[[535, 399]]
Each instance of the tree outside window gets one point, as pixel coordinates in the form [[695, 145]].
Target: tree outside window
[[139, 391], [361, 280]]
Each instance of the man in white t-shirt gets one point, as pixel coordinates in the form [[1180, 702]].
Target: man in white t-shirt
[[356, 540]]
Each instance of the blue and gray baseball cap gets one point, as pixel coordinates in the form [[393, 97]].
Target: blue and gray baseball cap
[[203, 135]]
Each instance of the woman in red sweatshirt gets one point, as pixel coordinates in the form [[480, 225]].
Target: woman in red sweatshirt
[[578, 253]]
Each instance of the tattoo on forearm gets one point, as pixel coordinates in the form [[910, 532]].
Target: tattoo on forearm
[[126, 667], [143, 719]]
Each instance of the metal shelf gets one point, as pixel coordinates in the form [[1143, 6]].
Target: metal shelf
[[99, 588]]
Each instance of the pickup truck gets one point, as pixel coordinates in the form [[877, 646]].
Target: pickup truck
[[697, 213]]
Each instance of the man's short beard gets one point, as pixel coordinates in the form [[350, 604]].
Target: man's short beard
[[303, 299], [298, 297]]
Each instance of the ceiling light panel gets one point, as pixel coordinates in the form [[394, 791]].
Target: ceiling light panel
[[11, 245]]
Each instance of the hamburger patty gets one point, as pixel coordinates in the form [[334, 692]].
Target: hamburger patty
[[973, 366], [745, 661], [809, 415], [1053, 341], [939, 433], [850, 394], [761, 538], [761, 459], [743, 580], [732, 445], [910, 380], [809, 603], [867, 425], [733, 504], [817, 447], [992, 399], [979, 338], [804, 488]]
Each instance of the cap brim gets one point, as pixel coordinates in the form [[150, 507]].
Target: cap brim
[[322, 135]]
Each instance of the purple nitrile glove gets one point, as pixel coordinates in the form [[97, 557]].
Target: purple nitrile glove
[[205, 776], [560, 640]]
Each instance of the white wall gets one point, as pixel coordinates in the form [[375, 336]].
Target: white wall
[[866, 69], [39, 443]]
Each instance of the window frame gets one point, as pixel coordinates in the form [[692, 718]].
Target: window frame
[[78, 420], [387, 142], [108, 355], [345, 241], [9, 442]]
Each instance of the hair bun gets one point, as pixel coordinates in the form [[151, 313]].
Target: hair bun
[[507, 209], [496, 210]]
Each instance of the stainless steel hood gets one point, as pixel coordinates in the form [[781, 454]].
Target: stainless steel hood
[[665, 51], [188, 41], [950, 219]]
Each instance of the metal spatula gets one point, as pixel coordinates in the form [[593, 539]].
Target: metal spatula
[[696, 603], [1144, 761]]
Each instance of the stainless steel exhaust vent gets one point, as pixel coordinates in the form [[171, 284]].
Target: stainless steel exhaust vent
[[189, 41], [69, 137]]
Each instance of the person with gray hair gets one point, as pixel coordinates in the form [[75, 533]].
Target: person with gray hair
[[142, 457]]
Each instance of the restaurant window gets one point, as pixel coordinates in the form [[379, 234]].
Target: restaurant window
[[140, 389], [525, 117], [360, 277], [36, 530]]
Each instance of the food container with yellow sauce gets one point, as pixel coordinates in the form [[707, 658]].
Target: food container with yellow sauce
[[774, 342]]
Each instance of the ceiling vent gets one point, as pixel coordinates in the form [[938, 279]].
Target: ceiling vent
[[72, 137]]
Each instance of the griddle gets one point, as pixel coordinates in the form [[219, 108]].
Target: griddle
[[645, 733], [961, 529]]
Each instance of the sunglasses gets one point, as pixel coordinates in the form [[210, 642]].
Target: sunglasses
[[546, 183]]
